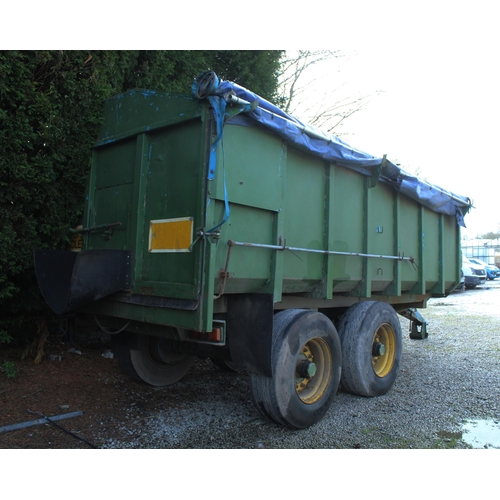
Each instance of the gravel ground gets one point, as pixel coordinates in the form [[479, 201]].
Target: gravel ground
[[204, 431], [446, 383]]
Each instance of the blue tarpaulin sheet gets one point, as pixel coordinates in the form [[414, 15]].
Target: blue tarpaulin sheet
[[319, 143]]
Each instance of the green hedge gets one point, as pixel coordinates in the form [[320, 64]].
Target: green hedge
[[50, 110]]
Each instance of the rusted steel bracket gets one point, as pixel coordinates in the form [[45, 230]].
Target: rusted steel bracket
[[95, 228], [418, 325], [224, 274], [107, 229]]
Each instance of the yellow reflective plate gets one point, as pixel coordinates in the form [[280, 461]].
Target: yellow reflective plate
[[171, 235]]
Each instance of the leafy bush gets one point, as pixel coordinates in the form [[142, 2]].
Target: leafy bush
[[9, 368], [5, 338], [50, 110]]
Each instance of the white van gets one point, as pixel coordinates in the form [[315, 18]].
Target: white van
[[474, 274]]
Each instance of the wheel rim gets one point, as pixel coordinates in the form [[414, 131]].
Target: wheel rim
[[313, 370], [383, 350], [162, 354]]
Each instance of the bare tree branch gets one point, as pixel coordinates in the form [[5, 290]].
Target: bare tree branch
[[296, 78], [293, 69], [331, 117]]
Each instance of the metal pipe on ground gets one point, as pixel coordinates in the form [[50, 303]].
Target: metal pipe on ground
[[39, 421]]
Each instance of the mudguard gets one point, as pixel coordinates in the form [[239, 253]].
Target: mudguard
[[69, 280]]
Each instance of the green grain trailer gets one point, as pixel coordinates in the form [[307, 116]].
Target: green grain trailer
[[217, 226]]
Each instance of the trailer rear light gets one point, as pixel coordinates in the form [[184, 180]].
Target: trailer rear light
[[217, 335]]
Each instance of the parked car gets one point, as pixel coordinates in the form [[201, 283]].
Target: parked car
[[492, 272], [474, 274]]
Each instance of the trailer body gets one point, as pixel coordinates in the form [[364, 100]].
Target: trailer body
[[197, 233]]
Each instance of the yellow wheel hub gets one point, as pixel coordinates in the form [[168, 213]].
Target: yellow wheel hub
[[383, 350], [313, 370]]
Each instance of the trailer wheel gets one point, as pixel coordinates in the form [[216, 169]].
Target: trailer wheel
[[306, 357], [151, 360], [370, 334], [226, 366]]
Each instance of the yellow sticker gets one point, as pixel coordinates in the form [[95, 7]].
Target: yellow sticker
[[171, 235]]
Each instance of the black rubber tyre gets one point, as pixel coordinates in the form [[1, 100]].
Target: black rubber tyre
[[149, 359], [370, 334], [227, 366], [306, 357]]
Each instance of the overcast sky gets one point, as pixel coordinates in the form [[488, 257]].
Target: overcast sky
[[439, 72]]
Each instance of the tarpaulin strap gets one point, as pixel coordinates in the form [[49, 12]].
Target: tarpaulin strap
[[208, 86], [460, 217], [204, 87], [227, 210], [219, 107]]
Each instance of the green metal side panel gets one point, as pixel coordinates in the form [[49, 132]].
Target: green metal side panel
[[304, 221], [347, 223], [141, 111], [253, 162], [381, 236], [451, 255], [251, 166], [249, 271], [172, 191], [282, 196], [168, 185], [431, 242], [409, 241], [150, 164], [112, 197]]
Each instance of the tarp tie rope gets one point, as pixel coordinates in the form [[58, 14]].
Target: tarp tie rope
[[204, 87]]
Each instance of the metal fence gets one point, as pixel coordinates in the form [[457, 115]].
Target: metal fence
[[486, 250]]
